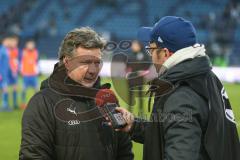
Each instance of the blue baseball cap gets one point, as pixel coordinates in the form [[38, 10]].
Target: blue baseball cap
[[169, 32]]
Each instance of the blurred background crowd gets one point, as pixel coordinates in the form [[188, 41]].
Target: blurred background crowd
[[47, 21]]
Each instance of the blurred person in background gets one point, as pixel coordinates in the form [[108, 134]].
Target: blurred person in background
[[13, 54], [4, 68], [137, 64], [29, 69]]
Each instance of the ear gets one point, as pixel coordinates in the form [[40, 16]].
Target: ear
[[167, 53], [66, 63]]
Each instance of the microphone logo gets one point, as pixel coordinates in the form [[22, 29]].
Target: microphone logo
[[107, 102]]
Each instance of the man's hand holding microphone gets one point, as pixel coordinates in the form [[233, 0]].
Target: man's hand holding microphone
[[128, 117], [119, 118]]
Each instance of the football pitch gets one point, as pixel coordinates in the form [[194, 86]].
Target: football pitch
[[10, 122]]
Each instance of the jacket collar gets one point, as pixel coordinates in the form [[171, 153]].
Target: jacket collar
[[183, 54]]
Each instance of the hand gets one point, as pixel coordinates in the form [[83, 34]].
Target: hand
[[128, 117]]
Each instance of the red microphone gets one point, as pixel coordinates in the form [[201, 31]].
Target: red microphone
[[106, 102]]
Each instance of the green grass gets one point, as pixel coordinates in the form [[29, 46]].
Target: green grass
[[233, 91], [10, 123]]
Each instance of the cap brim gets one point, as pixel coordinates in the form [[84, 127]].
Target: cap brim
[[144, 35]]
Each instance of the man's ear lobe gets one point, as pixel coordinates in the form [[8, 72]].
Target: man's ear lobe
[[65, 62], [167, 53]]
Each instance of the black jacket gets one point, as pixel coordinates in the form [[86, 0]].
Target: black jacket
[[191, 118], [52, 128]]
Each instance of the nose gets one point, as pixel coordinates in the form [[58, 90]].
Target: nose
[[93, 69]]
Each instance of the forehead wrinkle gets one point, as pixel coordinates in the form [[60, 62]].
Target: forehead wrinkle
[[95, 52]]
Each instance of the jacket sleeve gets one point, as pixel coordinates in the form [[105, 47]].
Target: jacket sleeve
[[124, 147], [183, 126], [37, 130], [137, 132]]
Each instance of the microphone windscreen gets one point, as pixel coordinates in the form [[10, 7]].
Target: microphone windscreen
[[105, 96]]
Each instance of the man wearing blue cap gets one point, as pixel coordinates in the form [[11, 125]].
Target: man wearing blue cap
[[191, 117]]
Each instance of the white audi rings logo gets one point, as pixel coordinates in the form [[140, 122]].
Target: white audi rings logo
[[73, 122]]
